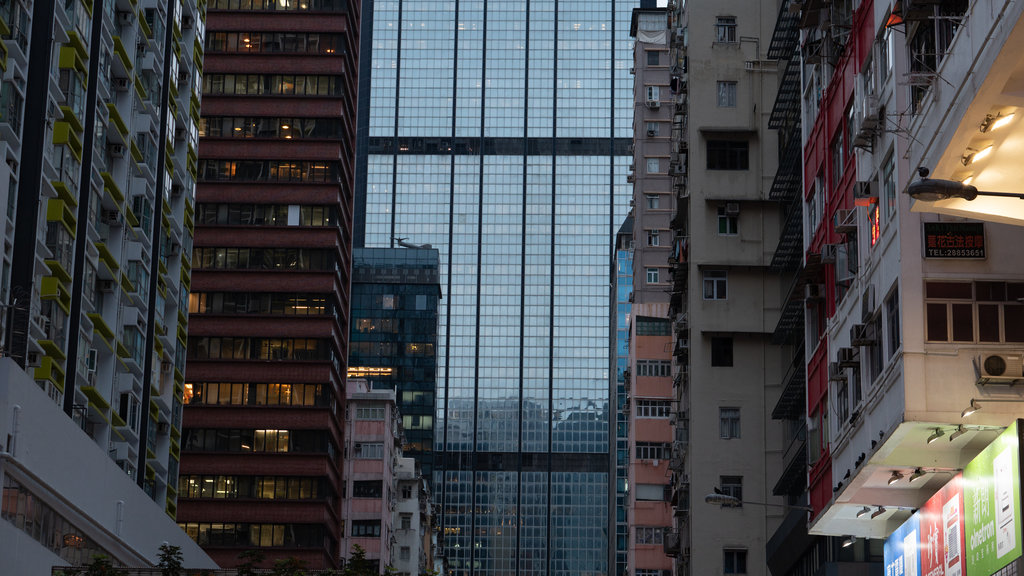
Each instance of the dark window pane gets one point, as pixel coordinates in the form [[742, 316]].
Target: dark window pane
[[721, 351], [963, 323], [948, 290], [1013, 322], [988, 323], [990, 291], [937, 323]]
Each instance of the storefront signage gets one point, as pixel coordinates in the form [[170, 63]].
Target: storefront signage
[[954, 240], [992, 505], [970, 527]]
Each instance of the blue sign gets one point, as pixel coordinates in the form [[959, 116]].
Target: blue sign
[[902, 551]]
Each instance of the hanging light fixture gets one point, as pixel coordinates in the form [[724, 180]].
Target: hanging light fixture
[[974, 407], [848, 541], [896, 477], [863, 512], [877, 513], [960, 431], [936, 435], [917, 474]]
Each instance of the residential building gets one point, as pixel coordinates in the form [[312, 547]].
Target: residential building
[[499, 132], [916, 324], [623, 306], [98, 132], [726, 297], [393, 336], [372, 454], [268, 341], [412, 521], [649, 330]]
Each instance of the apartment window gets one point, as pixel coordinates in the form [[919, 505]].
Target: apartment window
[[650, 535], [725, 29], [892, 322], [651, 326], [407, 492], [728, 224], [656, 368], [726, 94], [652, 276], [653, 94], [366, 528], [874, 353], [652, 492], [654, 237], [653, 165], [653, 408], [884, 55], [728, 155], [652, 451], [721, 351], [653, 57], [838, 159], [367, 489], [653, 201], [729, 422], [406, 522], [952, 309], [653, 128], [734, 561], [732, 486], [370, 413], [889, 185], [404, 553], [875, 224], [369, 451], [716, 284]]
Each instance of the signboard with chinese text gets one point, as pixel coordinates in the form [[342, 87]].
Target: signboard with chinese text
[[992, 505], [942, 531], [901, 552], [954, 240]]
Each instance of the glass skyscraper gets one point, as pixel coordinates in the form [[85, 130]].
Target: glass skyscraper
[[499, 133]]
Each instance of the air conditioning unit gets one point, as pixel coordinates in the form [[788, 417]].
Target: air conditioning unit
[[176, 189], [632, 70], [847, 358], [651, 133], [120, 84], [180, 133], [999, 365], [174, 249], [865, 193], [112, 217], [117, 150], [163, 428], [183, 75], [836, 373], [732, 209], [166, 367], [814, 291], [32, 358], [124, 18], [845, 221], [187, 22], [91, 360], [630, 177], [860, 335], [828, 253], [653, 104], [105, 285]]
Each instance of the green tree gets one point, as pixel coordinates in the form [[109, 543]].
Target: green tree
[[250, 561], [357, 564], [170, 560], [289, 567]]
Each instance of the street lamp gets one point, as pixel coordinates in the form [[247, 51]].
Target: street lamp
[[727, 500], [935, 189]]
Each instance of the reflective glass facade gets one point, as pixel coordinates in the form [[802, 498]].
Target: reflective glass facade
[[393, 337], [623, 311], [499, 133]]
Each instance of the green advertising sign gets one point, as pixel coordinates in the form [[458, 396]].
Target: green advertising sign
[[992, 505]]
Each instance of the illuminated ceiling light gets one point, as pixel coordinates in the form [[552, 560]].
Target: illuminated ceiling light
[[238, 128], [917, 474], [1002, 121], [972, 157], [896, 477], [995, 122], [936, 435], [960, 431], [974, 407], [967, 181], [863, 511], [877, 513], [848, 541], [285, 126]]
